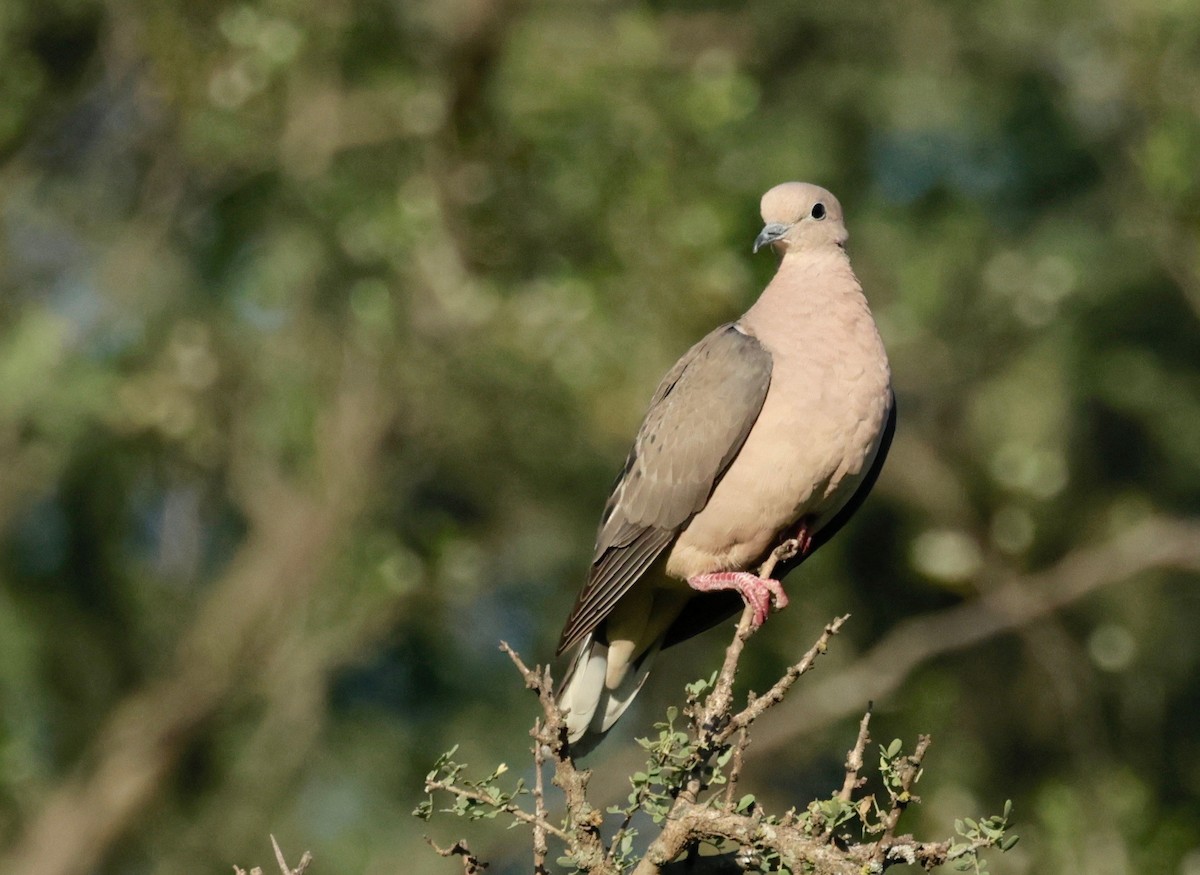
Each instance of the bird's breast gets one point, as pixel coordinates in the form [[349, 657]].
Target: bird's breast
[[811, 446]]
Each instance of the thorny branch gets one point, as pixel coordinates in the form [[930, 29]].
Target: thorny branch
[[817, 840]]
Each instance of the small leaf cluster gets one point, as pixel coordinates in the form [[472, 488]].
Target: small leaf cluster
[[671, 756], [897, 773], [991, 832], [895, 767], [482, 799], [823, 816], [674, 758]]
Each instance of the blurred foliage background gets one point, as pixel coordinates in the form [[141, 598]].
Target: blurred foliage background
[[324, 328]]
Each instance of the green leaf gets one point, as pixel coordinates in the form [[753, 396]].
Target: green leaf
[[745, 802]]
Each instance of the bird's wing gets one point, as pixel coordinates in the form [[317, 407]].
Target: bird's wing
[[697, 422]]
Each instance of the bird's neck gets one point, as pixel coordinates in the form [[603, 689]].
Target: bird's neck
[[808, 290]]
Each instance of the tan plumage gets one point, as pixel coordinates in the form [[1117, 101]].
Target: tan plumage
[[777, 420]]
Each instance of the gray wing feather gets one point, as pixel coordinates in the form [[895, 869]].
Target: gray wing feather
[[697, 422]]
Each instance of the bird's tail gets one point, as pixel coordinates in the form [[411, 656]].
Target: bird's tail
[[600, 684]]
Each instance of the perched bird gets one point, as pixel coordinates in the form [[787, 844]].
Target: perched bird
[[774, 426]]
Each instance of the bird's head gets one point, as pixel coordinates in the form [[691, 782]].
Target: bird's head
[[800, 216]]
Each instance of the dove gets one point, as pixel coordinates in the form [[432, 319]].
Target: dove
[[772, 427]]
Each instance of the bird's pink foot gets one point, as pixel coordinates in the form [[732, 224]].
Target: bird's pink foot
[[757, 592]]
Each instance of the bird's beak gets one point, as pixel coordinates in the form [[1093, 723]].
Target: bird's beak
[[771, 232]]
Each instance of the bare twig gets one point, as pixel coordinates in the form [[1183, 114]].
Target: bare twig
[[281, 862], [854, 760], [735, 766], [284, 869], [539, 680], [472, 865], [774, 696], [718, 703]]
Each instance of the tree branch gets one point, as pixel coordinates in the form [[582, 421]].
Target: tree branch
[[681, 768]]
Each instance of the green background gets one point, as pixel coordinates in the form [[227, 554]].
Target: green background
[[324, 327]]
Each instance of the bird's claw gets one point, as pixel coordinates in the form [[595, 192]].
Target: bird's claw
[[758, 592]]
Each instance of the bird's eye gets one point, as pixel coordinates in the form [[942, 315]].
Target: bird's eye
[[818, 211]]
